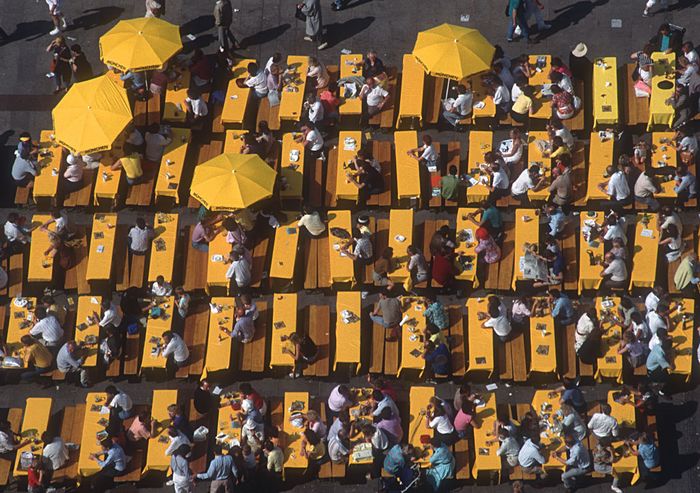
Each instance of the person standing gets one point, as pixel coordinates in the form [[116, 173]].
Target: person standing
[[223, 17], [60, 64], [516, 12], [57, 17], [314, 22], [183, 479], [155, 8], [535, 8]]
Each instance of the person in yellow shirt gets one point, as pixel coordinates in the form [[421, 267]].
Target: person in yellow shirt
[[131, 164], [37, 358], [522, 106]]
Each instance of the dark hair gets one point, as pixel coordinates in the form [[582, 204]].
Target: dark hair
[[556, 77], [111, 389], [555, 89], [453, 170], [76, 48], [253, 68], [311, 437], [40, 312], [141, 223], [245, 388], [193, 93], [377, 395], [386, 413]]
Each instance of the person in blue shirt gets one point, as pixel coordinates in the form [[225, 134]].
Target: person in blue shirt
[[648, 455], [399, 461], [442, 464], [490, 218], [436, 314], [562, 308], [685, 185], [658, 364], [577, 464], [516, 11], [572, 395], [219, 470], [437, 359], [557, 219], [112, 462]]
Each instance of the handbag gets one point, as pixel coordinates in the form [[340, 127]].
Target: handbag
[[300, 15]]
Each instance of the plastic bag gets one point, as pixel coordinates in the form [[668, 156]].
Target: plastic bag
[[200, 434]]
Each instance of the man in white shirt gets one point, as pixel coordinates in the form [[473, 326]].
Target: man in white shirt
[[501, 98], [140, 237], [160, 287], [375, 97], [156, 143], [614, 272], [312, 221], [529, 179], [111, 314], [55, 452], [177, 439], [314, 108], [687, 142], [530, 457], [459, 108], [239, 270], [602, 425], [120, 402], [196, 107], [659, 319], [500, 183], [256, 80], [652, 300], [175, 351], [312, 140], [15, 234], [47, 328], [616, 188], [499, 322]]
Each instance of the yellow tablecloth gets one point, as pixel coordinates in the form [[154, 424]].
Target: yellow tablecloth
[[664, 154], [292, 435], [538, 79], [543, 347], [485, 458], [233, 112], [341, 267], [467, 248], [525, 232], [107, 181], [412, 338], [600, 157], [216, 269], [233, 140], [14, 330], [40, 267], [480, 142], [412, 84], [284, 322], [625, 415], [550, 441], [173, 164], [292, 172], [545, 163], [357, 413], [89, 444], [348, 336], [51, 167], [682, 333], [291, 102], [37, 413], [419, 398], [480, 94], [589, 275], [154, 330], [661, 113], [175, 109], [348, 68], [163, 253], [400, 224], [646, 249], [407, 168], [156, 460], [284, 251], [225, 419], [88, 306], [344, 189], [480, 339], [605, 106], [610, 364], [219, 343], [102, 250]]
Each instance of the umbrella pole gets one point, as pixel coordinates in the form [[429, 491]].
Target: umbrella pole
[[447, 88]]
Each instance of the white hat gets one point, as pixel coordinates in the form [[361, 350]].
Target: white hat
[[71, 159], [580, 50]]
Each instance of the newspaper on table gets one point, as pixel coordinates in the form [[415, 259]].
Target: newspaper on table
[[533, 267]]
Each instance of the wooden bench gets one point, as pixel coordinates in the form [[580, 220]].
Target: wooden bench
[[319, 322], [376, 361], [76, 276], [432, 103], [314, 183], [457, 341], [329, 469], [7, 462], [196, 261], [141, 194], [330, 199], [382, 152], [261, 257], [15, 274], [568, 244], [385, 118], [22, 195], [567, 354], [198, 459], [71, 432], [137, 270], [517, 413], [317, 267], [133, 468], [207, 151], [83, 196], [636, 109], [253, 354], [579, 175], [154, 109], [499, 276], [131, 354], [381, 237], [140, 113], [271, 115], [195, 336]]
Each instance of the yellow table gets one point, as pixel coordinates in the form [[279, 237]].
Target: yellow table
[[682, 334], [292, 435], [292, 171], [546, 401], [233, 112], [663, 73], [485, 458], [284, 323], [233, 141], [107, 181], [610, 364], [538, 79], [349, 68], [344, 189], [40, 267], [163, 252], [480, 339], [348, 336], [154, 330], [219, 343], [50, 167], [93, 424], [545, 163], [664, 154], [172, 165], [359, 412], [467, 248], [646, 249], [407, 168], [156, 460], [412, 338], [341, 266], [419, 398], [480, 142], [600, 157], [87, 327], [527, 230], [284, 251], [291, 102], [625, 415], [400, 224], [225, 420], [480, 94], [543, 347], [412, 84], [35, 421], [605, 106], [175, 109], [15, 329], [589, 275], [102, 250], [219, 249]]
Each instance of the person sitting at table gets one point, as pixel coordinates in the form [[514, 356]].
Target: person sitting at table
[[24, 169], [417, 265], [486, 249], [558, 148], [685, 71], [313, 449], [375, 98], [496, 319], [530, 457], [340, 400], [175, 351], [36, 357], [70, 361], [119, 402], [139, 238], [456, 110], [9, 440], [112, 464], [685, 185], [239, 272], [55, 454], [614, 229], [156, 142], [687, 142], [135, 82], [645, 187], [373, 67], [312, 139], [502, 71], [490, 218], [311, 220], [671, 243], [602, 425], [383, 266], [178, 419], [314, 109], [387, 313], [577, 464], [72, 179], [498, 172], [465, 417], [362, 249], [449, 184], [587, 336], [666, 40], [196, 107], [681, 103], [442, 465], [561, 307], [562, 103], [648, 455], [235, 234], [443, 269], [339, 445], [317, 70], [438, 421], [201, 69], [614, 273], [501, 98], [687, 276], [633, 349], [63, 255], [304, 353], [521, 65], [160, 287], [616, 188], [509, 447], [561, 80], [131, 164], [47, 328], [426, 154], [515, 152], [142, 428], [529, 179], [110, 347], [522, 107]]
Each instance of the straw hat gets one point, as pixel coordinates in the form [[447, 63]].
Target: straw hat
[[580, 50]]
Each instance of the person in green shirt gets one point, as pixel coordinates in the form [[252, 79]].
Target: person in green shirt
[[449, 184], [490, 218]]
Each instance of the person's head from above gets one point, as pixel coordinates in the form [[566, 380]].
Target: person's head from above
[[48, 300], [566, 409], [453, 170], [268, 446], [412, 250], [490, 158], [153, 128], [179, 291], [683, 62], [570, 440], [557, 62], [344, 390], [498, 52], [494, 311], [681, 90], [140, 223], [461, 89], [25, 137], [662, 308], [76, 50], [555, 89], [72, 346], [605, 408], [263, 127], [482, 234], [648, 49], [664, 29], [611, 220], [240, 311], [173, 410], [427, 139], [160, 280], [387, 253], [497, 67], [672, 231], [637, 318], [486, 204], [236, 256], [253, 69], [372, 56], [197, 54], [617, 243], [246, 300], [682, 171], [12, 218], [306, 126], [609, 257], [515, 134], [370, 82], [173, 432], [40, 312], [106, 444], [687, 47], [311, 98], [313, 61], [556, 77], [193, 93], [312, 416], [60, 41], [167, 336], [534, 170]]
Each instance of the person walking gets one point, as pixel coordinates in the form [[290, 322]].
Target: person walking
[[223, 17], [314, 22], [516, 12], [535, 8], [57, 17]]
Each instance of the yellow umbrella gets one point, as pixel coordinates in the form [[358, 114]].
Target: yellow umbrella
[[140, 44], [91, 115], [453, 52], [232, 181]]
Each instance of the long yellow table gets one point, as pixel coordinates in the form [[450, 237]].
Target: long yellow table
[[348, 335], [480, 339], [164, 244], [412, 84], [541, 104], [527, 230], [664, 153], [292, 97], [87, 327], [18, 326], [646, 250], [543, 347], [358, 413], [284, 251], [225, 419], [545, 163], [605, 106], [219, 343], [480, 94], [50, 167], [175, 109], [419, 398], [156, 460], [682, 333], [172, 165], [219, 249], [547, 402], [625, 415], [40, 267], [348, 68], [284, 323], [35, 422], [236, 103], [407, 168], [107, 181], [344, 189], [400, 225], [233, 140], [292, 435], [589, 275], [154, 330], [480, 142], [93, 424], [663, 86], [485, 458], [610, 363], [412, 335], [292, 171], [600, 157], [467, 248], [102, 247], [341, 266]]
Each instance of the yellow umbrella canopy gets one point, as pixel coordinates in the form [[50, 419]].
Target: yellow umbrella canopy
[[91, 115], [453, 52], [232, 181], [140, 44]]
